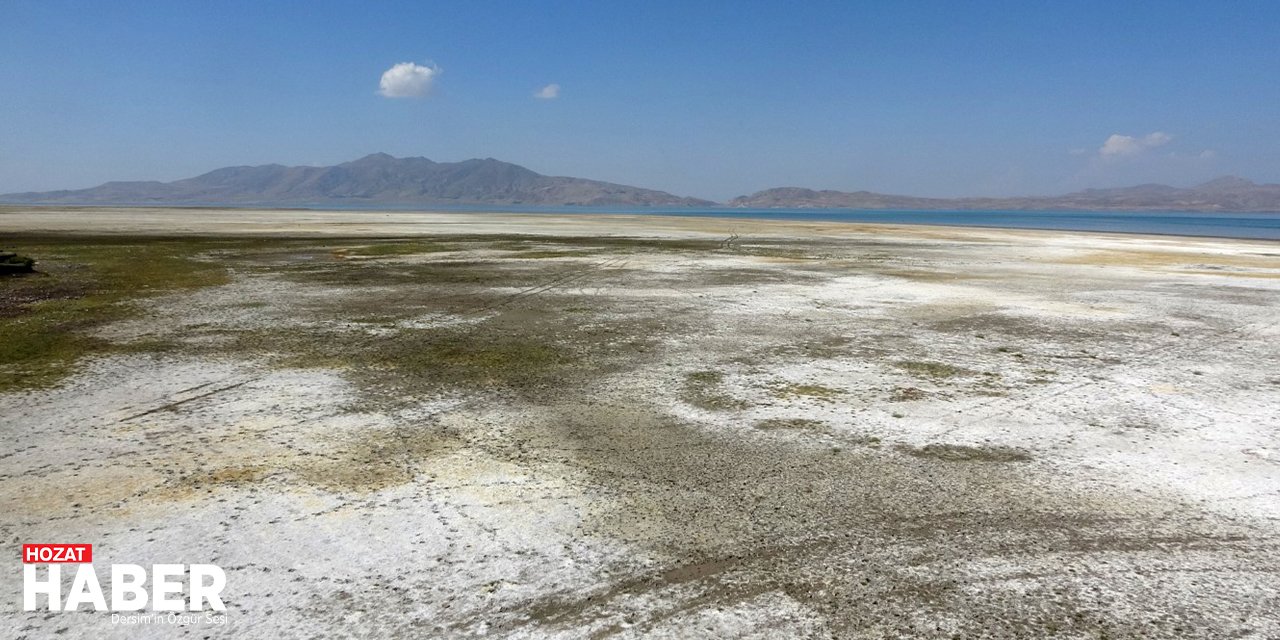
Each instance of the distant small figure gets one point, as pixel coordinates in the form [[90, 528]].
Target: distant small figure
[[11, 262]]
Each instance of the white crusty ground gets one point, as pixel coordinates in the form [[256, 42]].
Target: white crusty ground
[[1151, 428]]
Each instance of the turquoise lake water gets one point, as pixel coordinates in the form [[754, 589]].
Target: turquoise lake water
[[1261, 226]]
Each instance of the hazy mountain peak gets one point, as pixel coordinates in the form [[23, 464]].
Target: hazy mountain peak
[[373, 158], [1228, 193], [1225, 183], [378, 178]]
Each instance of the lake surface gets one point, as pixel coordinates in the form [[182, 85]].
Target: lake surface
[[1264, 226], [1256, 226]]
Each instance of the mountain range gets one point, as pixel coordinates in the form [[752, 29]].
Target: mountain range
[[1223, 194], [372, 180], [380, 179]]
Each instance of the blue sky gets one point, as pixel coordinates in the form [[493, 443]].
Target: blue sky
[[711, 99]]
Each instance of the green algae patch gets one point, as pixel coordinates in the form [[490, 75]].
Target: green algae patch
[[704, 389], [411, 362], [932, 370], [791, 390], [399, 248], [535, 254], [48, 318], [790, 424], [965, 453]]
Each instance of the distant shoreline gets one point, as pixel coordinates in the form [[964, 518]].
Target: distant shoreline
[[718, 209], [233, 221]]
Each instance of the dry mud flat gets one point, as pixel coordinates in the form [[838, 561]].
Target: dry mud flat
[[444, 425]]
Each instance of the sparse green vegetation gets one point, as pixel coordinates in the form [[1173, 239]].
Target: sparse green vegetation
[[50, 318], [87, 283], [765, 249], [791, 424], [991, 384], [702, 389], [234, 476], [543, 254], [965, 453], [795, 390], [377, 459], [399, 248], [907, 394], [705, 377], [417, 361], [833, 346], [933, 370], [863, 440], [382, 274]]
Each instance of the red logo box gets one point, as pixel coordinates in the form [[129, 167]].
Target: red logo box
[[55, 553]]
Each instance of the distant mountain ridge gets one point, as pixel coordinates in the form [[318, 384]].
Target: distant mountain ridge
[[380, 179], [374, 179], [1226, 194]]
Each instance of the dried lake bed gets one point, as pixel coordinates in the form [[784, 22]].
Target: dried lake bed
[[459, 425]]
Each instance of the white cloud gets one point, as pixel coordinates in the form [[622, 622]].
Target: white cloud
[[1119, 145], [407, 80], [549, 92]]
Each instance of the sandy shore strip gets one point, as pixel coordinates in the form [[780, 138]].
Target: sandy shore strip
[[373, 223]]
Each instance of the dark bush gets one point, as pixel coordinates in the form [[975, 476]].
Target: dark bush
[[11, 262]]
